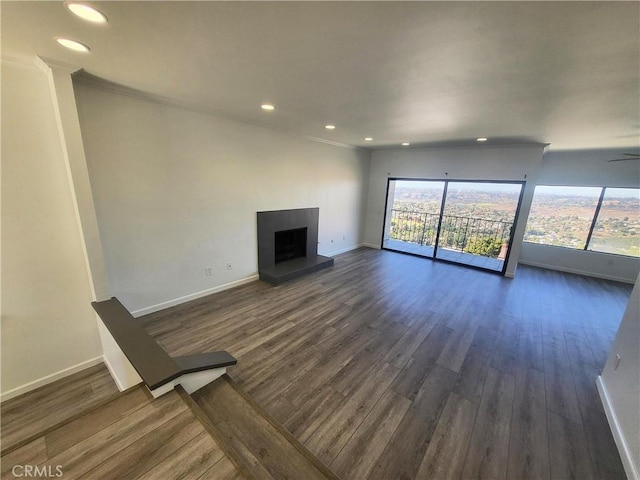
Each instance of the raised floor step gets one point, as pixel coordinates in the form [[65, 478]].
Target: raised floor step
[[260, 446], [29, 415], [130, 436]]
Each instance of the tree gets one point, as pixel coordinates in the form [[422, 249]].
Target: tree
[[486, 246]]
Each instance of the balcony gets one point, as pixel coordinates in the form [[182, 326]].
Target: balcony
[[472, 241]]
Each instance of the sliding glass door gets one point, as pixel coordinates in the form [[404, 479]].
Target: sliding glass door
[[412, 216], [477, 221], [467, 222]]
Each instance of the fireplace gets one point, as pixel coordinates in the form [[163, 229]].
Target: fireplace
[[288, 244]]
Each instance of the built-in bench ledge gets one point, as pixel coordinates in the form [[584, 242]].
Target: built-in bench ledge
[[159, 371]]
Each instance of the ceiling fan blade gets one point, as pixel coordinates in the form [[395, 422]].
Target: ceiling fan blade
[[624, 159]]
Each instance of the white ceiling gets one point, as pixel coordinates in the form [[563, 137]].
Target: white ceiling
[[564, 73]]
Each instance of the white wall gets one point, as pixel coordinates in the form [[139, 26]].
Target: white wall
[[620, 386], [471, 163], [585, 168], [177, 191], [48, 326]]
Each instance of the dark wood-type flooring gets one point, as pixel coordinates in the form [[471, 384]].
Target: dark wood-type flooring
[[29, 415], [386, 366], [261, 447], [131, 436], [389, 366]]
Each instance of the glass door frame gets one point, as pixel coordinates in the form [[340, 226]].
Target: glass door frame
[[446, 182]]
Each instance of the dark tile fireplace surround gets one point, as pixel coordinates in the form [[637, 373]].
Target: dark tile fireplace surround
[[288, 245]]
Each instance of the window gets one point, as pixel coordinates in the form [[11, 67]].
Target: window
[[562, 216], [617, 228], [598, 219]]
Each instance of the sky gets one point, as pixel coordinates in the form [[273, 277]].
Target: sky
[[515, 188], [459, 186]]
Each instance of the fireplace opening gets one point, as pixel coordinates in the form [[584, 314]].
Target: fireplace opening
[[290, 244]]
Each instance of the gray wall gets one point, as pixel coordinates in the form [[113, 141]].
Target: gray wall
[[177, 191]]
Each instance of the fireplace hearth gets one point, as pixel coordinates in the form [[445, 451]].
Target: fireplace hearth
[[288, 244]]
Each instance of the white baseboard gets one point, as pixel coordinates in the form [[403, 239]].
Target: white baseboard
[[27, 387], [618, 435], [576, 271], [344, 250], [371, 245], [193, 296]]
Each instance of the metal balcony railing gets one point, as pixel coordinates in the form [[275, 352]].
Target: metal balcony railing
[[479, 236]]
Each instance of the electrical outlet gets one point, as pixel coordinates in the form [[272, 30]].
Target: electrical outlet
[[228, 265], [208, 271]]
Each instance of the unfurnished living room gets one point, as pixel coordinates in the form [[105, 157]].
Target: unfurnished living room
[[334, 240]]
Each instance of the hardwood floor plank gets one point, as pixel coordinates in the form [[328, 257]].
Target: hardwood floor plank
[[363, 449], [489, 446], [568, 453], [411, 340], [331, 436], [292, 367], [560, 390], [56, 402], [505, 356], [605, 459], [584, 370], [249, 434], [335, 355], [412, 376], [90, 452], [530, 353], [68, 435], [232, 438], [309, 416], [472, 376], [151, 449], [359, 367], [456, 348], [33, 453], [528, 445], [224, 469], [406, 448], [447, 450], [194, 459]]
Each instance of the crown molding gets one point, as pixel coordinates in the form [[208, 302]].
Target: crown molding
[[45, 64]]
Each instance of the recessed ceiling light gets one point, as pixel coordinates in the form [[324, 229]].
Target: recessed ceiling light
[[267, 106], [330, 127], [72, 45], [406, 144], [368, 139], [481, 139], [86, 12]]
